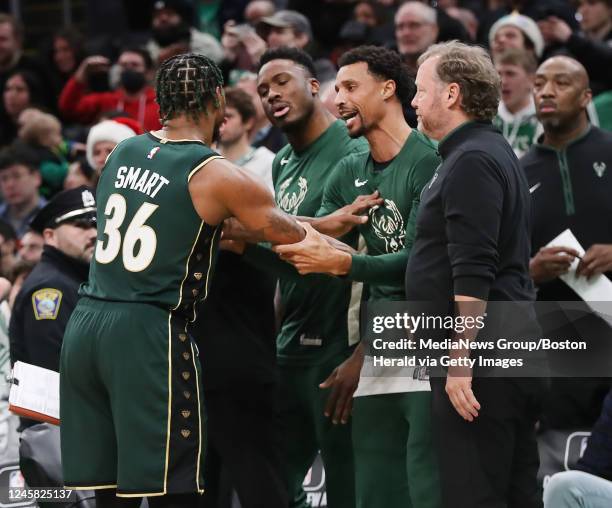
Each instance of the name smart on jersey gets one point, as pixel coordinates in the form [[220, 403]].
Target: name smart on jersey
[[149, 182]]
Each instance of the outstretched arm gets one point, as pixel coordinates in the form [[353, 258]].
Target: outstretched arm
[[221, 190]]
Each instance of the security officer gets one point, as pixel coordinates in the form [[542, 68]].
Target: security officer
[[49, 294]]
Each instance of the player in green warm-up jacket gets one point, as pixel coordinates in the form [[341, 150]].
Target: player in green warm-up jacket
[[394, 456], [316, 331]]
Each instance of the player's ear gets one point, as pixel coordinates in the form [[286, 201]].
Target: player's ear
[[315, 86], [388, 89]]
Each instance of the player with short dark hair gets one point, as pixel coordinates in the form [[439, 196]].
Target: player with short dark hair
[[395, 464], [129, 370], [294, 54], [316, 332]]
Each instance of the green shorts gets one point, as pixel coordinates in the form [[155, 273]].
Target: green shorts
[[131, 407]]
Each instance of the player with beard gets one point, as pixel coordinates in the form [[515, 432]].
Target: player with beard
[[129, 371], [394, 461], [316, 333]]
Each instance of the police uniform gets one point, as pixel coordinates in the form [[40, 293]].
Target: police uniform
[[49, 294]]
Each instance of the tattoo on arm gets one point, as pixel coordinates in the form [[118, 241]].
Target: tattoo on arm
[[282, 229]]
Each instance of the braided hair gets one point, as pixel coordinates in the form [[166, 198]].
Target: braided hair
[[185, 84]]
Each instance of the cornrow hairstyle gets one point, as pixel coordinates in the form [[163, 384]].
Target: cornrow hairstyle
[[299, 56], [185, 84], [384, 64]]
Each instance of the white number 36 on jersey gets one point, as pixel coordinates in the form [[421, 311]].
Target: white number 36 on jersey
[[140, 241]]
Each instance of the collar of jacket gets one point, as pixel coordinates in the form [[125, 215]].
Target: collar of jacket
[[460, 134], [578, 138], [65, 263]]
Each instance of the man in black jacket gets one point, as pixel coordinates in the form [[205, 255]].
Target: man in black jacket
[[471, 247], [571, 184], [49, 294]]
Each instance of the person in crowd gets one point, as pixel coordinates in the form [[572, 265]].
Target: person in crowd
[[262, 133], [9, 422], [8, 248], [516, 116], [80, 173], [590, 484], [22, 90], [395, 462], [516, 31], [62, 56], [370, 13], [243, 44], [416, 28], [570, 185], [31, 246], [234, 142], [20, 272], [467, 18], [19, 183], [134, 96], [172, 33], [104, 136], [285, 28], [591, 44], [257, 9], [472, 247], [596, 19], [242, 48], [41, 134], [12, 57]]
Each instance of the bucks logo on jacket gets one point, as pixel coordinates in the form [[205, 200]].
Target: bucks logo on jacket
[[388, 224], [290, 201]]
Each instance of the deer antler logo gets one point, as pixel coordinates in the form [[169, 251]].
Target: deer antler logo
[[388, 224]]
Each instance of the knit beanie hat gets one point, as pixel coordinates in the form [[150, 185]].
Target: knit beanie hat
[[526, 25], [107, 130]]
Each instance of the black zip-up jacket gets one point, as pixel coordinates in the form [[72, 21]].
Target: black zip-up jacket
[[473, 225], [570, 188], [43, 307], [472, 239]]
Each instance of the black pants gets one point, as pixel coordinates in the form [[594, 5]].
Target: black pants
[[243, 448], [493, 461]]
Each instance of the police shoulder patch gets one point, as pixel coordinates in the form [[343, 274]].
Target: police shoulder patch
[[46, 303]]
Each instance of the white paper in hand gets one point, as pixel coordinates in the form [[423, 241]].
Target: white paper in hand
[[593, 291], [35, 393]]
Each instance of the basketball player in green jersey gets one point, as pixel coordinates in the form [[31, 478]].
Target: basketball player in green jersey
[[316, 333], [132, 420], [395, 465]]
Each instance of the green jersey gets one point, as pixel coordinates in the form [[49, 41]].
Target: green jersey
[[152, 247], [315, 323], [389, 232], [520, 130]]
